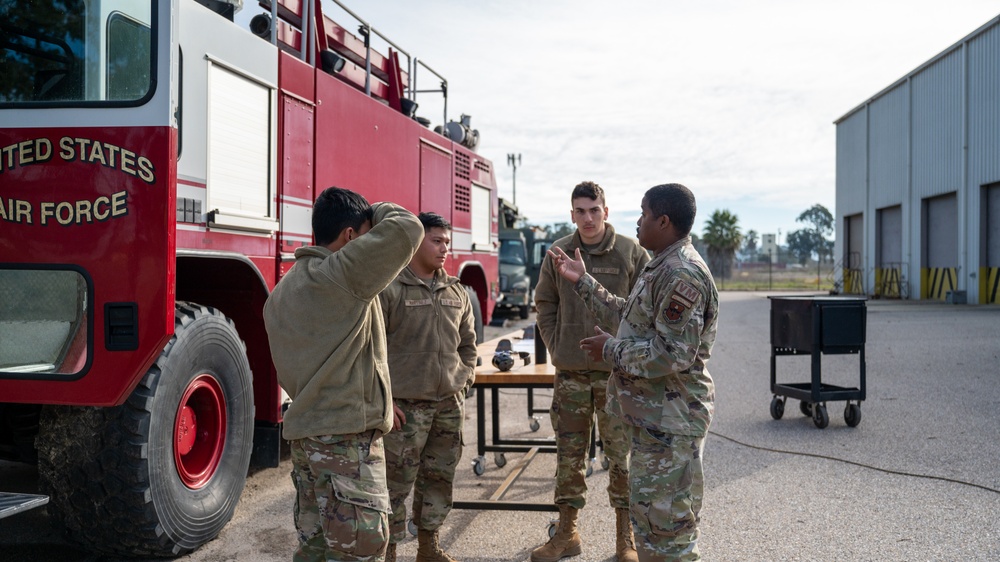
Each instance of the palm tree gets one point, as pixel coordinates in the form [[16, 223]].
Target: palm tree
[[750, 245], [723, 237]]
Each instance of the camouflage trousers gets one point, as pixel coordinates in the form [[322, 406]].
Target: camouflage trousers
[[341, 500], [425, 451], [667, 486], [577, 396]]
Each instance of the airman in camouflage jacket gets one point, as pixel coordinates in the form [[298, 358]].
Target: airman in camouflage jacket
[[668, 325]]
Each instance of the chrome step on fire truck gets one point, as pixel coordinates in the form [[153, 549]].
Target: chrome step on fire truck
[[158, 164]]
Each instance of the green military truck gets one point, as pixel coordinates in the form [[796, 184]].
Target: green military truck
[[521, 252]]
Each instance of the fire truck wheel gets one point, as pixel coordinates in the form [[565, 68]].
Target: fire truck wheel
[[477, 311], [161, 474]]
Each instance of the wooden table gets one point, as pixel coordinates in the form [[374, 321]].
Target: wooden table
[[523, 376]]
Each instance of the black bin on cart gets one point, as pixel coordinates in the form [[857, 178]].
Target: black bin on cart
[[817, 325]]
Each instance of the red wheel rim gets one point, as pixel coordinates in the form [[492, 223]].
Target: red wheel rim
[[199, 431]]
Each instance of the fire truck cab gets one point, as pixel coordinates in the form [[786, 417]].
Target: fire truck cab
[[158, 165]]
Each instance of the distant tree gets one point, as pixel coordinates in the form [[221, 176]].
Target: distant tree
[[801, 245], [699, 244], [821, 220], [722, 237], [750, 245], [560, 229]]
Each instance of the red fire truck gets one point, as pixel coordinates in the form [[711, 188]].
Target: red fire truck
[[158, 164]]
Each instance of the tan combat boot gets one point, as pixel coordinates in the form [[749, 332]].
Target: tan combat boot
[[390, 552], [428, 548], [625, 548], [566, 541]]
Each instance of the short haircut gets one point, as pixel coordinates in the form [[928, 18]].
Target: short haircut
[[335, 210], [676, 202], [433, 220], [590, 190]]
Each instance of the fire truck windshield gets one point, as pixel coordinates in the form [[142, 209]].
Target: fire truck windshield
[[68, 52]]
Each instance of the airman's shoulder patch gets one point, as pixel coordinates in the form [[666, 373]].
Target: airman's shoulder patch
[[681, 300]]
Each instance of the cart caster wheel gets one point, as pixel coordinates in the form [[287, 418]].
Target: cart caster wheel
[[534, 425], [806, 408], [411, 527], [479, 466], [553, 526], [777, 408], [852, 414], [605, 463], [500, 459], [820, 417]]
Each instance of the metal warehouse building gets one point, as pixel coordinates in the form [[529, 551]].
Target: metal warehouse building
[[918, 180]]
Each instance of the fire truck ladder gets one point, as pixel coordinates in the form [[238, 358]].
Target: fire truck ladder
[[380, 76]]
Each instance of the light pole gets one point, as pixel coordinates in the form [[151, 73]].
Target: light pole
[[514, 160]]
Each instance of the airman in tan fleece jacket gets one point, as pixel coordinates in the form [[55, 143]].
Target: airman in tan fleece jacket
[[327, 341], [432, 359]]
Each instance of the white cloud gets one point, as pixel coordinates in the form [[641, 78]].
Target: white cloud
[[734, 99]]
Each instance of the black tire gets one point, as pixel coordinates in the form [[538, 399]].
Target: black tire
[[820, 417], [117, 483], [852, 414], [777, 408], [806, 408], [523, 312], [477, 312]]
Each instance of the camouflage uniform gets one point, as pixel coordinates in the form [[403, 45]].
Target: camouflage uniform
[[326, 332], [341, 501], [426, 452], [431, 335], [661, 387], [576, 398], [580, 386]]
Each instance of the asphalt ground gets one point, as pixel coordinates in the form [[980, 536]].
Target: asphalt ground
[[916, 480]]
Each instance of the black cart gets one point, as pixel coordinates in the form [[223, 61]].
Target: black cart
[[818, 325]]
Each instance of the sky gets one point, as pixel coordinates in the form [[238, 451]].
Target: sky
[[734, 99]]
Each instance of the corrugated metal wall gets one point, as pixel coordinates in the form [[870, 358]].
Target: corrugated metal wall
[[888, 150], [852, 154], [851, 178], [937, 127], [934, 132], [890, 236], [889, 279], [991, 230], [984, 105]]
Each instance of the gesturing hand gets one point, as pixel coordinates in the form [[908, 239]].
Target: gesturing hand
[[594, 345], [571, 269]]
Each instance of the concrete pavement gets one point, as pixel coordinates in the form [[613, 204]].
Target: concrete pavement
[[917, 480]]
